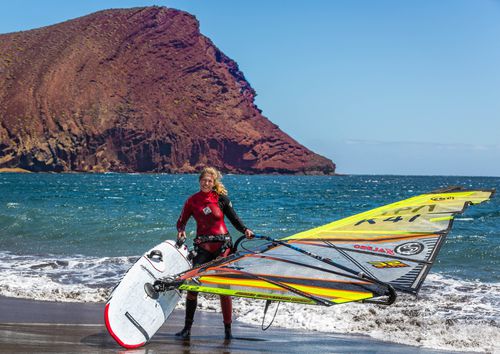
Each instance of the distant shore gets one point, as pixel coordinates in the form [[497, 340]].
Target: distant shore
[[14, 169], [21, 170]]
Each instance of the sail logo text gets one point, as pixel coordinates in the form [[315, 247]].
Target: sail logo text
[[374, 249], [410, 209], [393, 219], [388, 264], [439, 199]]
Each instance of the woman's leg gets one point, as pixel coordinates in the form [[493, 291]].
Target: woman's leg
[[191, 303], [226, 304], [192, 297]]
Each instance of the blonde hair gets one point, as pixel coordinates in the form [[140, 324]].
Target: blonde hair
[[217, 176]]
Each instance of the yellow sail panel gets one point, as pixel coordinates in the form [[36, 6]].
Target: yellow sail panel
[[258, 285], [407, 216], [342, 237], [247, 294]]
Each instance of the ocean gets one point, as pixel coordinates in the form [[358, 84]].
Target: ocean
[[71, 237]]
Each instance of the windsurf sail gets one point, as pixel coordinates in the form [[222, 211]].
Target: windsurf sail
[[359, 258]]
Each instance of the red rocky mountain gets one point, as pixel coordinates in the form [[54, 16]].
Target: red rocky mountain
[[134, 90]]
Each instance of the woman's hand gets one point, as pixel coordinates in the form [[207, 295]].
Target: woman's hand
[[249, 233], [181, 237]]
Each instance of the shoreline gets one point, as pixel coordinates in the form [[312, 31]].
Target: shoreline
[[13, 170], [341, 174], [54, 327], [95, 172]]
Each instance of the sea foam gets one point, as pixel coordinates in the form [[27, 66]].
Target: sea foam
[[56, 278], [448, 314]]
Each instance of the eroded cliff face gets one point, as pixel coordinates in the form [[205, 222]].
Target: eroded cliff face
[[134, 90]]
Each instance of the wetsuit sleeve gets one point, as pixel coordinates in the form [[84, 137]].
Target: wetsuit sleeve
[[185, 215], [227, 208]]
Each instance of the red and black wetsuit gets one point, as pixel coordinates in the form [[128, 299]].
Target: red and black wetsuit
[[209, 209], [212, 237]]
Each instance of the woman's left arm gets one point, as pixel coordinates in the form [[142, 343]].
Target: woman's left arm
[[227, 209]]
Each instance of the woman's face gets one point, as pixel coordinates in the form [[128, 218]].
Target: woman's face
[[207, 183]]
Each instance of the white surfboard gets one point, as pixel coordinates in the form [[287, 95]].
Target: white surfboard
[[131, 316]]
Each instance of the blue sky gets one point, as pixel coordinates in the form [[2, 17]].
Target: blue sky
[[380, 87]]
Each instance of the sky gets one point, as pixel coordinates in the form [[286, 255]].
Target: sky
[[380, 87]]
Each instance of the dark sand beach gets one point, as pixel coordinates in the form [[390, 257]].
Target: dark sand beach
[[28, 326]]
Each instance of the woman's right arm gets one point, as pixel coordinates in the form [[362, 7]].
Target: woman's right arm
[[182, 221]]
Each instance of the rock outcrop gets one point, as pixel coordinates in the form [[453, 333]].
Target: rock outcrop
[[134, 90]]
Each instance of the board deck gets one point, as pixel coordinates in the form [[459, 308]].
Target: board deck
[[131, 316]]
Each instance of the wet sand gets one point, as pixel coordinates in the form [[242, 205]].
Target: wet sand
[[28, 326]]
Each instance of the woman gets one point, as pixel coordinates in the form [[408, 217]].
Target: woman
[[208, 207]]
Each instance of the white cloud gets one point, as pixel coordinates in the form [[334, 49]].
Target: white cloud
[[413, 144]]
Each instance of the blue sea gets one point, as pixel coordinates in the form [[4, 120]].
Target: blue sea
[[70, 237]]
